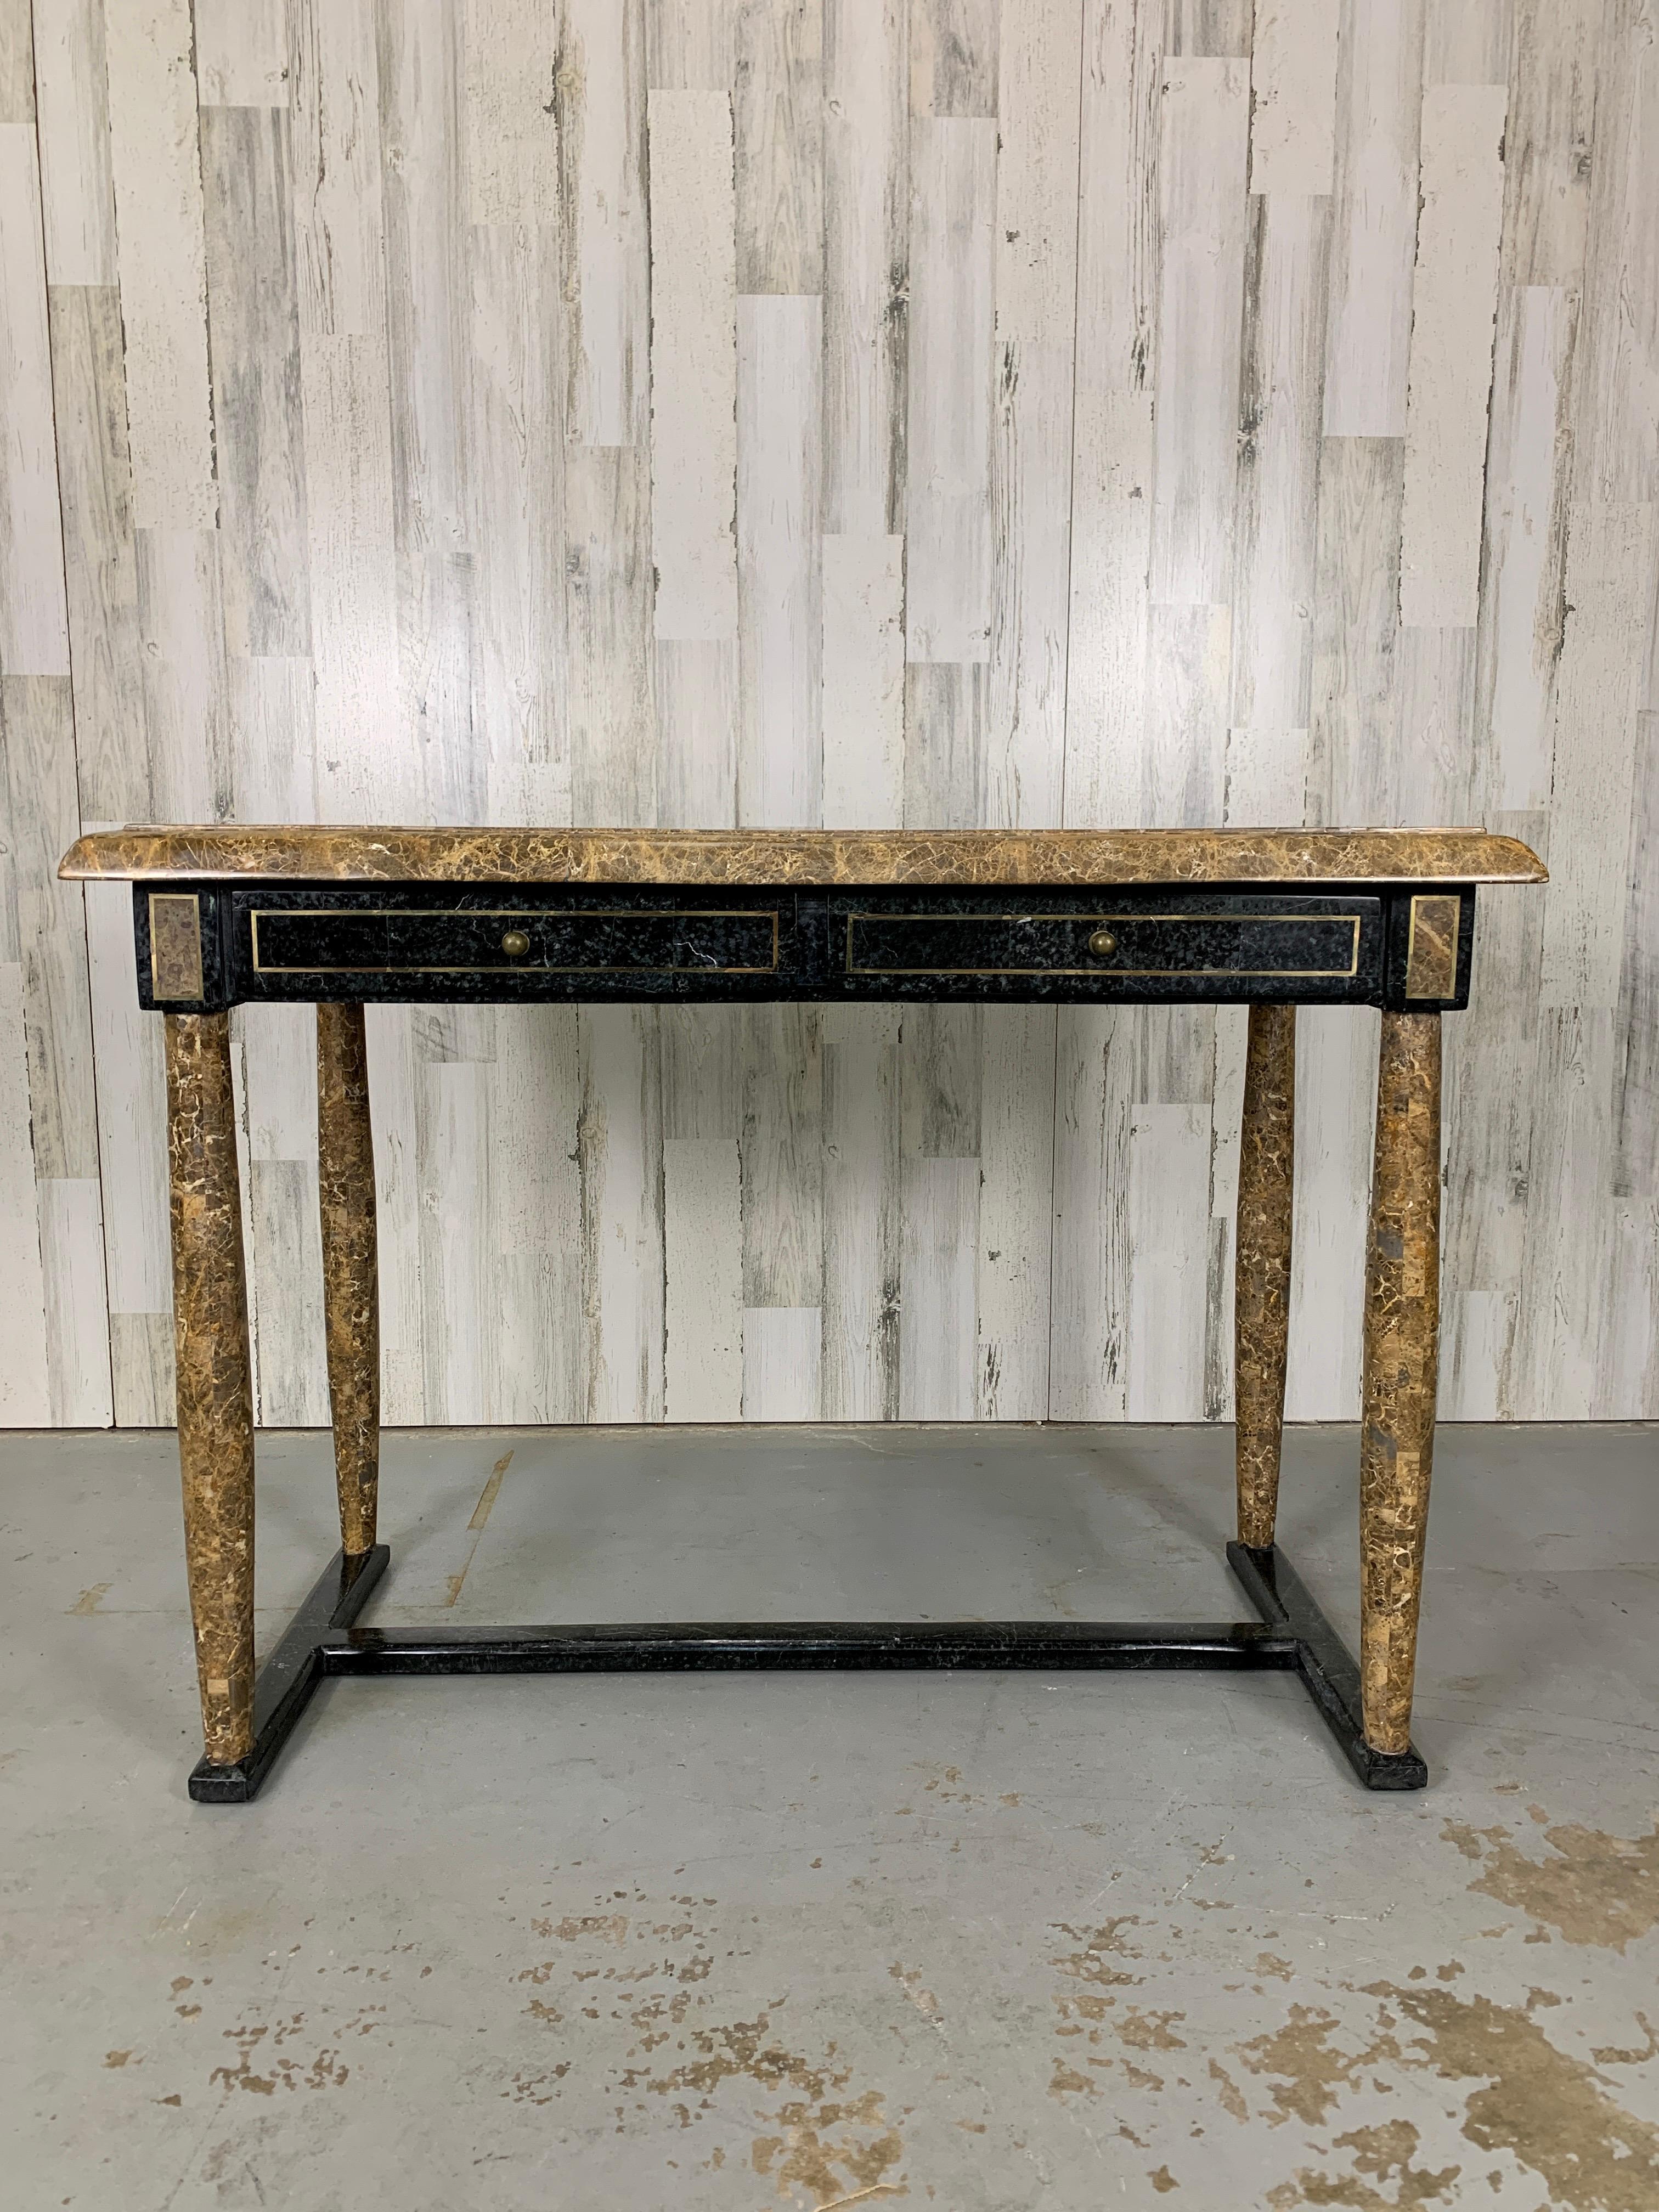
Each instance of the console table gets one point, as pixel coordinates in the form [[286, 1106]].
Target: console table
[[341, 917]]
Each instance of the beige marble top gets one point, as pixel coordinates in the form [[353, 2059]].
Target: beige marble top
[[781, 857]]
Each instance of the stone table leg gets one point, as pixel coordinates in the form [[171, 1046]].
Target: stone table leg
[[351, 1292], [216, 1389], [1402, 1362], [1261, 1280]]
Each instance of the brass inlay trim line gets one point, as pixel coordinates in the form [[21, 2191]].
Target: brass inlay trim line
[[521, 967], [175, 946], [1099, 921], [1431, 970]]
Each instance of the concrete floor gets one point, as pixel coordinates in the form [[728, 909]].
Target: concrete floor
[[984, 1942]]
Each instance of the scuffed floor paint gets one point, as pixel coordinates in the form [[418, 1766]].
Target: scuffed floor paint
[[1008, 1945]]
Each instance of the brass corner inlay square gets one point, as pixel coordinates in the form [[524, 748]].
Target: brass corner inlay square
[[1431, 948], [175, 944]]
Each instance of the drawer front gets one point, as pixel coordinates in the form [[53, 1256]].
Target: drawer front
[[597, 941], [1305, 946]]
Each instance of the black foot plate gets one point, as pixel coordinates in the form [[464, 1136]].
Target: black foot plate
[[1292, 1635]]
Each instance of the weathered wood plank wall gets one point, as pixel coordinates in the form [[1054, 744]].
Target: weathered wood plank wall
[[854, 411]]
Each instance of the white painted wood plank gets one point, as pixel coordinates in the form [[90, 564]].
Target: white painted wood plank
[[285, 1289], [1467, 41], [694, 374], [620, 1145], [691, 45], [1636, 1033], [1035, 332], [1610, 556], [1454, 306], [131, 1112], [1208, 27], [1616, 366], [953, 56], [453, 1134], [1015, 1212], [939, 1240], [778, 123], [866, 243], [780, 617], [398, 1211], [863, 682], [1335, 1119], [362, 775], [782, 1157], [37, 750], [703, 1234], [258, 429], [1553, 92], [535, 1224], [948, 443], [1277, 508], [1490, 1088], [161, 255], [608, 685], [241, 52], [1228, 1043], [515, 521], [1201, 172], [184, 678], [338, 212], [72, 105], [697, 718], [946, 708], [1353, 759], [861, 1212], [600, 93], [1379, 83], [1627, 1384], [1111, 552], [1168, 1162], [1523, 588], [1293, 96], [1190, 663], [1088, 1365], [1566, 1316], [1436, 726], [782, 1353], [508, 111], [424, 188], [112, 737], [25, 1397], [33, 617]]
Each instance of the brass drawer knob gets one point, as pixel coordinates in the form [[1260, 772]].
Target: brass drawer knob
[[513, 942], [1102, 942]]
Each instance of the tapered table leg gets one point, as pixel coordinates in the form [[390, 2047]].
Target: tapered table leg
[[215, 1384], [1401, 1363], [1262, 1281], [351, 1294]]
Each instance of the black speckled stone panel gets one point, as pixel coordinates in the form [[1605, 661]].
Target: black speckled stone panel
[[440, 943]]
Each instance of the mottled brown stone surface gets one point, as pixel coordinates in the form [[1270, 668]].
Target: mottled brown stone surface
[[216, 1393], [808, 856], [175, 944], [351, 1298], [1431, 948], [1401, 1360], [1262, 1289]]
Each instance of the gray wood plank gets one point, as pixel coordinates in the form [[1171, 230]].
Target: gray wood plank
[[258, 431]]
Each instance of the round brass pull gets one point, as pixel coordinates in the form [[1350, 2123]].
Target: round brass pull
[[515, 942], [1102, 942]]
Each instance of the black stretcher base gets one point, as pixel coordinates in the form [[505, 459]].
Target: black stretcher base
[[1291, 1634]]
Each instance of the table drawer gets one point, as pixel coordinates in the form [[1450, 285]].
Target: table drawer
[[1244, 946], [598, 940]]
